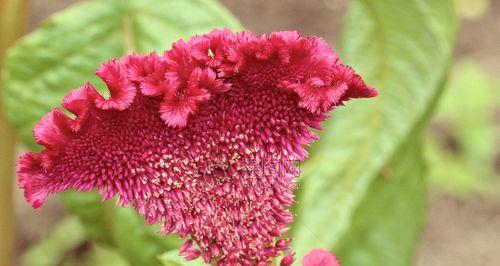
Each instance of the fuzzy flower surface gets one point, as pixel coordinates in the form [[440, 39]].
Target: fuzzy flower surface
[[203, 139]]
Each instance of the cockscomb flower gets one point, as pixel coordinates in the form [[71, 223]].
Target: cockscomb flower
[[203, 139]]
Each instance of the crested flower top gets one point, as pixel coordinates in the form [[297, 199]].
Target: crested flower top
[[202, 139]]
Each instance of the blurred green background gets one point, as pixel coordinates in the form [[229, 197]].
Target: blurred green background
[[461, 144]]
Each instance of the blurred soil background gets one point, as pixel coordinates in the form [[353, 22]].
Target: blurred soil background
[[463, 226]]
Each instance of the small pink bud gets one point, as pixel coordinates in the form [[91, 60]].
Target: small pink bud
[[320, 257], [287, 260]]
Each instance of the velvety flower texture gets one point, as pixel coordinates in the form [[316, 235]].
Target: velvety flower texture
[[203, 139], [320, 257]]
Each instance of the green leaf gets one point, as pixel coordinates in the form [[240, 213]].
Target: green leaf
[[90, 210], [96, 255], [461, 157], [386, 226], [139, 243], [172, 258], [121, 227], [66, 235], [66, 245], [402, 48], [63, 54]]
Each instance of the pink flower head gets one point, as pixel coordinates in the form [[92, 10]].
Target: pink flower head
[[320, 257], [203, 139]]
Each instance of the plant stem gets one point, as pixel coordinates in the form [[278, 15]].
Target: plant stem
[[13, 18]]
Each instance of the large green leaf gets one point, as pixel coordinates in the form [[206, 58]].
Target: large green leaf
[[63, 54], [386, 226], [403, 48]]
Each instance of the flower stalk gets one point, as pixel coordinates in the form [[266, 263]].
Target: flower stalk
[[13, 18]]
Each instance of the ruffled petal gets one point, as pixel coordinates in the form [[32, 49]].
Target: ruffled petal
[[32, 180], [121, 90]]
